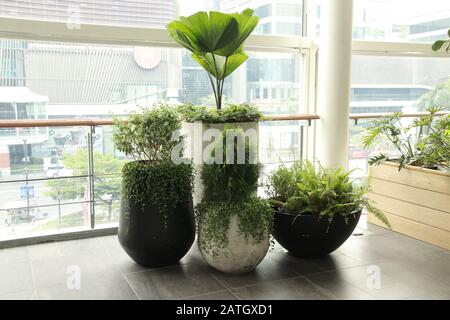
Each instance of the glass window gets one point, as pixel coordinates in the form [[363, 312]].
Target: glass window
[[288, 28], [263, 11], [289, 9], [392, 84], [7, 111], [399, 20], [263, 28], [141, 13], [25, 111]]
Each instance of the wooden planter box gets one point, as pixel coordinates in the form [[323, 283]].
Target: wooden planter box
[[415, 200]]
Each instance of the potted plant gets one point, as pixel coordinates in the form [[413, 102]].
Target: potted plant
[[233, 223], [412, 184], [156, 225], [216, 41], [315, 210]]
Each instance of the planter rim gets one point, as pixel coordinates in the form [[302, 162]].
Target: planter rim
[[415, 168], [229, 122], [288, 213]]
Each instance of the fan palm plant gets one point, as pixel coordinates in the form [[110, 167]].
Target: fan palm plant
[[216, 42]]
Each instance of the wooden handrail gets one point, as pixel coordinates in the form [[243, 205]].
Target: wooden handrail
[[356, 116], [54, 123], [107, 122], [288, 117]]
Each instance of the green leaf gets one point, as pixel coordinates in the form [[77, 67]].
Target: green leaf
[[371, 135], [233, 62], [206, 63], [211, 31], [437, 45], [182, 35], [246, 23]]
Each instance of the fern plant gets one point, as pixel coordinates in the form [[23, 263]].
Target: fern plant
[[303, 189], [423, 143]]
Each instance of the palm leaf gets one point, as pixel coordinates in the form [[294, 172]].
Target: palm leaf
[[233, 62], [246, 23], [205, 61], [371, 135]]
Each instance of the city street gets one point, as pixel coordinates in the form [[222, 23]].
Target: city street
[[10, 196]]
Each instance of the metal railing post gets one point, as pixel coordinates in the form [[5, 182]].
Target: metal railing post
[[301, 141], [91, 175]]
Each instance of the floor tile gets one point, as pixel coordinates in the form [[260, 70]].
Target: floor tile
[[95, 290], [43, 251], [58, 270], [406, 269], [336, 260], [13, 255], [288, 289], [82, 247], [21, 295], [339, 288], [300, 266], [268, 270], [122, 260], [374, 281], [173, 282], [220, 295], [15, 277]]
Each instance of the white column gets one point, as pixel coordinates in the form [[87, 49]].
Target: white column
[[334, 83]]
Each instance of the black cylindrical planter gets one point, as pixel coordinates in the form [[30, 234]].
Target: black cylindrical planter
[[308, 236], [150, 242]]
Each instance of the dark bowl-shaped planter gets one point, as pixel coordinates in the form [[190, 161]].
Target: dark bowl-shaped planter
[[150, 243], [307, 236]]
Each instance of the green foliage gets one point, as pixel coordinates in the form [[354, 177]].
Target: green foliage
[[424, 143], [162, 183], [147, 135], [324, 192], [230, 181], [216, 41], [231, 114], [230, 189], [254, 215], [437, 45], [73, 188], [438, 96]]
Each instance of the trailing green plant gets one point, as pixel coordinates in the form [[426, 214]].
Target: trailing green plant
[[255, 220], [437, 45], [229, 180], [230, 189], [163, 183], [147, 137], [304, 190], [232, 113], [216, 41], [423, 143]]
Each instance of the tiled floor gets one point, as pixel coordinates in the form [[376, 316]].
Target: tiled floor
[[377, 265]]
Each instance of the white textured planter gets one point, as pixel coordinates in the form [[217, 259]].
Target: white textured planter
[[240, 256], [195, 144]]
